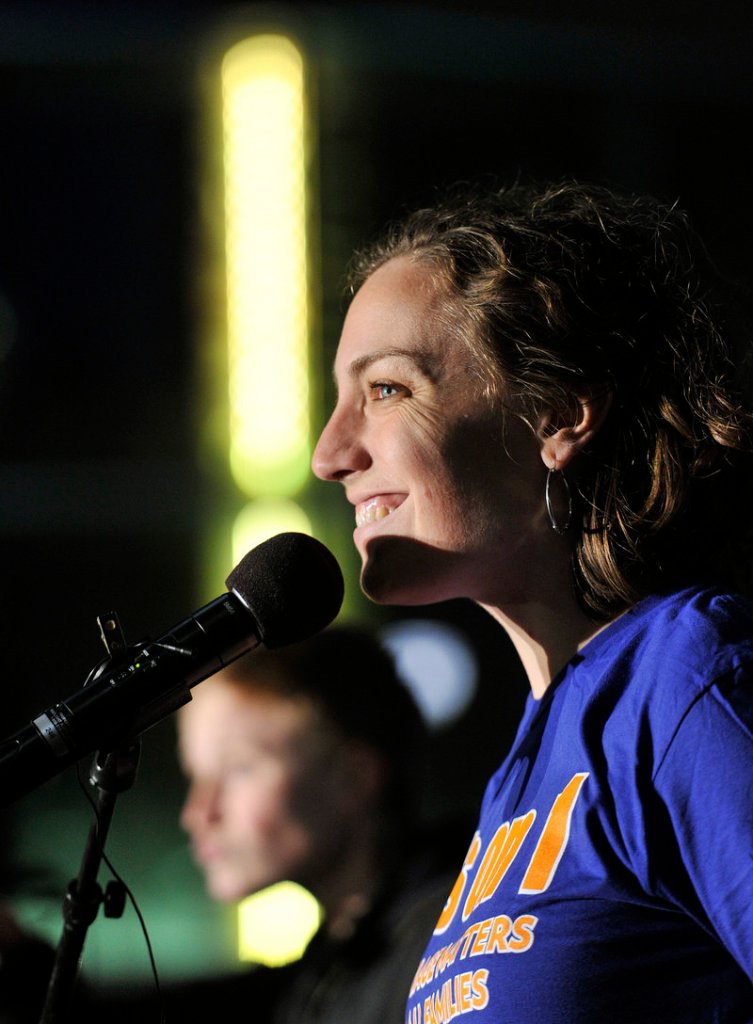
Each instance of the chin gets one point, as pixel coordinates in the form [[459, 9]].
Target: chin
[[397, 571], [387, 591], [221, 893], [227, 890]]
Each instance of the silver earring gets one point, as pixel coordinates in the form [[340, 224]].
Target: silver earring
[[558, 527]]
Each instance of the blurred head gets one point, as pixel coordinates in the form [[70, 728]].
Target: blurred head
[[556, 301], [294, 756]]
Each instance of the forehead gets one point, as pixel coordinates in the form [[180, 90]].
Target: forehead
[[402, 309], [223, 715]]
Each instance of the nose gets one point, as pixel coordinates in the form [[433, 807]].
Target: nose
[[341, 449], [201, 805]]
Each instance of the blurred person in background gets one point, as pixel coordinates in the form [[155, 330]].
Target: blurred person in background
[[307, 764]]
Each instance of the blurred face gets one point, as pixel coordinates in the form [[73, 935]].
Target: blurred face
[[263, 803], [447, 489]]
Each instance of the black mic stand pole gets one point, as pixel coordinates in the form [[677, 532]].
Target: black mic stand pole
[[112, 772]]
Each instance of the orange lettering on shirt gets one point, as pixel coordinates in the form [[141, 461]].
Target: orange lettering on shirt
[[481, 938], [480, 996], [499, 855], [521, 939], [453, 900], [553, 839], [498, 938]]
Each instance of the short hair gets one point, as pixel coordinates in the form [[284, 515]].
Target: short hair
[[573, 290], [351, 679]]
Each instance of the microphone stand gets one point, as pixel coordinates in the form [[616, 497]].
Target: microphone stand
[[112, 772]]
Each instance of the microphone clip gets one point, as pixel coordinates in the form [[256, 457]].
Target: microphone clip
[[111, 634]]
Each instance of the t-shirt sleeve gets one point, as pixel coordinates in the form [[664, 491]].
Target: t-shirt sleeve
[[700, 835]]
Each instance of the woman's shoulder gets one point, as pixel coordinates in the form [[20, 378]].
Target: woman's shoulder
[[671, 660], [698, 627], [667, 652]]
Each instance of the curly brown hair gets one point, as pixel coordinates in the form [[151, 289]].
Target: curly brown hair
[[570, 291]]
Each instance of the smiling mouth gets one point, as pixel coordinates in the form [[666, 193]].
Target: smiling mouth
[[373, 510]]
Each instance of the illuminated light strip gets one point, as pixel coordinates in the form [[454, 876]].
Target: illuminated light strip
[[268, 329], [266, 266], [263, 519]]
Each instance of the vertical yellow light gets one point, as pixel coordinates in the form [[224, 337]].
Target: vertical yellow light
[[266, 266], [268, 332]]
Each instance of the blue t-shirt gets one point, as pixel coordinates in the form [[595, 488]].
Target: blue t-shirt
[[610, 880]]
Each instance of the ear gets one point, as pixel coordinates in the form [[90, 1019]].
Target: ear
[[563, 434], [362, 776]]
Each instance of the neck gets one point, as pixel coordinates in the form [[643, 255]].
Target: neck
[[539, 611], [545, 639]]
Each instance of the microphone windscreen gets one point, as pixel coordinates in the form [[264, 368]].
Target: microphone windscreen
[[291, 584]]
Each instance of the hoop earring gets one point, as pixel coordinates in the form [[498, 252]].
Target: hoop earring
[[558, 527]]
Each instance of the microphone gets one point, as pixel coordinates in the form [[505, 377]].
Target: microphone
[[283, 591]]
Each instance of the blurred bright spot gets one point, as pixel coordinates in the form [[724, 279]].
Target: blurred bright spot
[[276, 924], [266, 272], [438, 666], [262, 519]]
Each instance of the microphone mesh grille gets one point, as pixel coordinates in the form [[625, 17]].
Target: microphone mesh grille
[[291, 584]]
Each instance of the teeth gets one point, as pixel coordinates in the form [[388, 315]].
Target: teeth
[[371, 512]]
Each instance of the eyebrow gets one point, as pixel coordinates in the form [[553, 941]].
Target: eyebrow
[[422, 358]]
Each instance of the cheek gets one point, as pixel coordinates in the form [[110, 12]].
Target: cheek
[[316, 804], [256, 810], [415, 452], [448, 477], [491, 469], [407, 434]]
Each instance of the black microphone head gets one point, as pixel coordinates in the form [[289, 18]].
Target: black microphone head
[[291, 584]]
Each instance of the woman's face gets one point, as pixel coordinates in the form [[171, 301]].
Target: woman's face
[[448, 491]]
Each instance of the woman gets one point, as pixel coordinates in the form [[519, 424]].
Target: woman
[[536, 412]]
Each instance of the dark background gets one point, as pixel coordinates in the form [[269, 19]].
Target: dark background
[[107, 495]]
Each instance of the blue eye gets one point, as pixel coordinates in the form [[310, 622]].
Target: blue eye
[[382, 390]]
